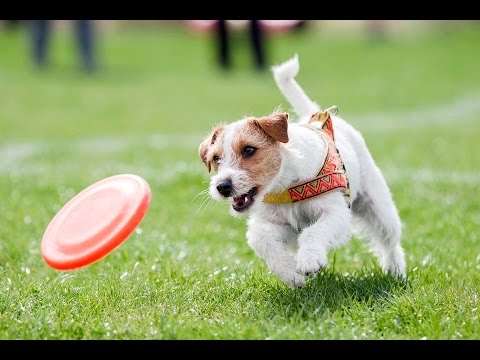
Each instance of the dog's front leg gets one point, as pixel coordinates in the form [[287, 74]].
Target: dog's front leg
[[269, 240], [332, 229]]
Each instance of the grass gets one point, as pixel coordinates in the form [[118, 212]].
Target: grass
[[188, 273]]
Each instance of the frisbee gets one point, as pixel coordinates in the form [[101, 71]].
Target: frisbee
[[95, 222]]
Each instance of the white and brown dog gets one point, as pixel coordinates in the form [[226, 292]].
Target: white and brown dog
[[307, 186]]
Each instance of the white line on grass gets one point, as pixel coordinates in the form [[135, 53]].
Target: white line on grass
[[24, 158], [11, 155], [428, 176], [461, 109], [161, 174], [116, 144]]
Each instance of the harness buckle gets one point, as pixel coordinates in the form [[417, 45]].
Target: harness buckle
[[332, 110]]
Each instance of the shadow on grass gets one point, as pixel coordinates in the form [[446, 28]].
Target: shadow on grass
[[330, 291]]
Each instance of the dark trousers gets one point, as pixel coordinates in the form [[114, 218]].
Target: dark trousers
[[256, 41], [84, 34]]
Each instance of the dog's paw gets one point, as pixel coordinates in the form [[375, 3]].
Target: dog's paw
[[293, 279], [393, 262], [310, 262]]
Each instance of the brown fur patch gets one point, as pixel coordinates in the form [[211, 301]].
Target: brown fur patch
[[275, 125], [211, 147], [262, 166]]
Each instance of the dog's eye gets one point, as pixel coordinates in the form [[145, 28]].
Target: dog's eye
[[248, 151], [216, 159]]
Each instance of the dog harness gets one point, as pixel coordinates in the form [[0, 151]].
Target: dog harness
[[332, 174]]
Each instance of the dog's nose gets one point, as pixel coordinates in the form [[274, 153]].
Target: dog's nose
[[224, 187]]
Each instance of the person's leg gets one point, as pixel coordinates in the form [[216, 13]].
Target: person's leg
[[222, 44], [257, 44], [377, 29], [85, 40], [300, 26], [40, 36]]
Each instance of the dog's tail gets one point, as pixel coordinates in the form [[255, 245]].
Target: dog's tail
[[284, 75]]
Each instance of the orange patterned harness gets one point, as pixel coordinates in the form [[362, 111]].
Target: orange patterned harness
[[332, 175]]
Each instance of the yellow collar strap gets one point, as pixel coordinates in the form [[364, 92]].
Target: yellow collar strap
[[332, 175]]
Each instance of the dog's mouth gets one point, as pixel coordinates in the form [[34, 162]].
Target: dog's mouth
[[243, 202]]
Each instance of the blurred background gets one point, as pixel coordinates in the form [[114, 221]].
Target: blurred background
[[70, 78]]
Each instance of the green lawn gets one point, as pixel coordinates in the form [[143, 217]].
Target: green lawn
[[187, 272]]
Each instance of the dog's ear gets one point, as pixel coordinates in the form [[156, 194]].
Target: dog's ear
[[203, 150], [205, 145], [275, 125]]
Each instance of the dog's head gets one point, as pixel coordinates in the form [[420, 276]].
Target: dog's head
[[246, 156]]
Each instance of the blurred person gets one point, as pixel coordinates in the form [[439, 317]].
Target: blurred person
[[256, 29], [256, 41], [84, 33], [377, 29]]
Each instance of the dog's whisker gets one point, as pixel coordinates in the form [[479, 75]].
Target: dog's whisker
[[205, 200], [205, 204], [203, 192], [201, 207]]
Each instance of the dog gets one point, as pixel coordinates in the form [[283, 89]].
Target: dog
[[306, 185]]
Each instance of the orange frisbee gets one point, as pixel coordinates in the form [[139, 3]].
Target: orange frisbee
[[95, 222]]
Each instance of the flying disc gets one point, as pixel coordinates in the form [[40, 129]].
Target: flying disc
[[95, 222]]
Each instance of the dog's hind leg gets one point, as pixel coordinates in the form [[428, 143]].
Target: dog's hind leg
[[375, 218]]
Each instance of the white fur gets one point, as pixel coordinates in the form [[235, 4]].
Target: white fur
[[283, 74], [313, 227]]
